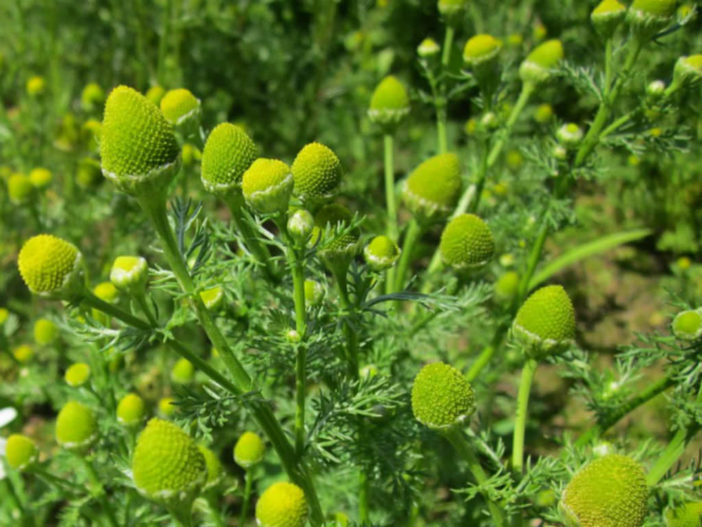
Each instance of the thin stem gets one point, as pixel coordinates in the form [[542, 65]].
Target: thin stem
[[298, 274], [448, 44], [110, 309], [364, 488], [534, 257], [248, 483], [97, 490], [522, 100], [521, 416], [668, 458], [414, 231], [350, 335], [144, 305], [388, 159], [465, 450]]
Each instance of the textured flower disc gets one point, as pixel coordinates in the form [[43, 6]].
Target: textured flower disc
[[432, 189], [688, 515], [381, 253], [20, 451], [441, 396], [389, 103], [480, 49], [46, 263], [467, 242], [282, 505], [248, 450], [131, 409], [546, 320], [179, 105], [541, 62], [167, 463], [137, 143], [76, 426], [228, 152], [608, 492], [316, 172], [267, 185]]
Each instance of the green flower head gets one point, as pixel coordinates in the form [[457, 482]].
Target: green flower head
[[546, 321], [316, 172], [267, 185], [77, 374], [129, 273], [19, 188], [607, 16], [183, 372], [131, 410], [481, 49], [76, 426], [228, 152], [688, 70], [381, 253], [50, 266], [389, 104], [20, 451], [282, 505], [442, 397], [467, 242], [45, 331], [92, 96], [180, 106], [648, 17], [687, 325], [249, 450], [432, 189], [541, 63]]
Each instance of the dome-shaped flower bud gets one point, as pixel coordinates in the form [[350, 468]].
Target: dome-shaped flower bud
[[228, 152], [687, 325], [381, 253], [340, 250], [607, 16], [155, 94], [40, 177], [442, 397], [317, 173], [300, 225], [183, 371], [314, 292], [180, 106], [451, 10], [212, 466], [688, 70], [655, 89], [166, 406], [507, 286], [36, 85], [20, 451], [546, 321], [167, 463], [648, 17], [76, 426], [92, 96], [88, 172], [543, 113], [137, 144], [481, 49], [45, 331], [608, 492], [129, 273], [428, 48], [688, 515], [467, 242], [569, 135], [249, 450], [282, 505], [77, 374], [50, 266], [432, 189], [212, 297], [267, 185], [19, 188], [389, 104], [541, 62], [131, 410], [23, 353]]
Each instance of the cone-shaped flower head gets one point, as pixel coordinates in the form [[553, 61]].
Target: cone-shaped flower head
[[467, 242], [228, 152], [40, 177], [167, 463], [428, 48], [45, 331], [432, 189], [77, 374], [541, 62], [337, 250], [607, 16], [647, 17], [608, 492], [76, 426], [481, 49], [131, 410], [687, 325], [546, 321], [50, 266], [381, 253], [249, 450], [212, 466], [442, 397], [688, 70], [389, 104], [137, 144], [129, 273], [688, 515], [20, 451], [179, 106], [19, 188], [282, 505], [267, 185], [317, 173]]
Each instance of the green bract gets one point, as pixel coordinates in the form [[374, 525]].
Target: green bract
[[688, 515], [248, 450], [541, 63], [546, 320], [179, 106], [467, 242], [228, 152], [138, 149], [267, 185], [317, 173], [381, 253], [76, 426], [608, 492], [389, 104], [432, 190], [282, 505], [20, 451], [442, 397], [50, 266]]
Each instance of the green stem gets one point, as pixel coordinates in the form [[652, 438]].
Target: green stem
[[522, 100], [109, 309], [97, 490], [448, 44], [52, 480], [534, 257], [248, 483], [521, 415], [350, 335], [618, 123], [388, 159], [364, 488], [414, 231], [144, 305], [298, 274], [465, 450]]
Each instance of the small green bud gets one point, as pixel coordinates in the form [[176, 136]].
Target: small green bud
[[543, 113], [481, 49], [687, 325], [655, 89], [546, 321], [92, 96], [293, 336], [77, 374], [607, 16], [36, 85], [452, 10], [129, 273], [166, 406], [267, 185], [40, 177], [300, 225], [507, 286], [688, 70], [183, 372], [282, 505], [249, 450], [428, 48], [155, 94], [442, 397], [212, 297], [610, 491], [20, 452], [688, 515], [190, 154], [51, 267], [541, 63], [569, 135], [314, 292], [337, 254], [45, 331], [76, 426], [432, 189], [180, 106], [19, 189], [648, 17], [167, 463], [389, 104], [381, 253], [467, 242], [23, 353], [317, 173], [213, 467], [131, 410], [106, 291], [228, 152]]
